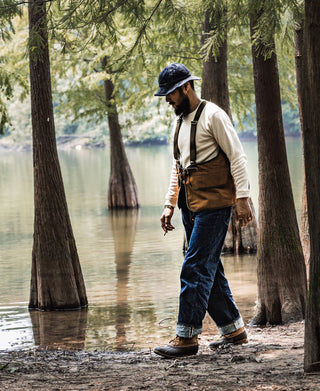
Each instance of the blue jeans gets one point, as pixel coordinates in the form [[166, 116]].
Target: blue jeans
[[204, 286]]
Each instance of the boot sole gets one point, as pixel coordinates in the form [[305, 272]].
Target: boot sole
[[172, 355], [240, 342], [245, 340]]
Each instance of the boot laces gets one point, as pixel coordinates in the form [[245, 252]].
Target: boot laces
[[175, 340]]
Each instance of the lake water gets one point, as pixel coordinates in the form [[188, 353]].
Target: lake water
[[131, 269]]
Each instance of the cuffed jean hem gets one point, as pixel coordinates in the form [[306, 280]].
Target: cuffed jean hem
[[184, 331], [231, 327]]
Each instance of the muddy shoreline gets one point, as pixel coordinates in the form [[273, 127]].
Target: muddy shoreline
[[271, 360]]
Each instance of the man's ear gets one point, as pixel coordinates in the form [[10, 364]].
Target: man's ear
[[186, 87]]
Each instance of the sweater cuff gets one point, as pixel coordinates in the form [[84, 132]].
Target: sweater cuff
[[243, 194], [170, 203]]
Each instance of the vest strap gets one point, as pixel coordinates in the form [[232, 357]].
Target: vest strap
[[193, 150], [176, 152]]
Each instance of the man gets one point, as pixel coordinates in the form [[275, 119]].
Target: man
[[208, 176]]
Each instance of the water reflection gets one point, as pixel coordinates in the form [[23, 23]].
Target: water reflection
[[64, 330], [123, 227]]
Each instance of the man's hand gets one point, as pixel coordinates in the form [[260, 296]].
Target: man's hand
[[243, 212], [166, 219]]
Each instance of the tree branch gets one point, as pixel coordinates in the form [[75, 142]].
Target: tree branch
[[141, 32], [18, 3]]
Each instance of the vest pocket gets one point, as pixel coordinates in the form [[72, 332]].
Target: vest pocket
[[215, 173]]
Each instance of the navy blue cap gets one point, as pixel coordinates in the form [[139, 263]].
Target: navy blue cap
[[172, 77]]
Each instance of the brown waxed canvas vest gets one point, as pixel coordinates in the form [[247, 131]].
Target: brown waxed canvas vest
[[206, 185]]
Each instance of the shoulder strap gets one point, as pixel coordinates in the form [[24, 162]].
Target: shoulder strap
[[176, 152], [193, 153], [193, 150]]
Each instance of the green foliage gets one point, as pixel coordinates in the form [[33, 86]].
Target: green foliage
[[240, 77], [13, 68], [136, 47], [272, 19], [8, 10], [217, 13], [6, 91], [139, 38], [36, 44]]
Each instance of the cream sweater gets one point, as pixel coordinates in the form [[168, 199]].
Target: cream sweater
[[214, 129]]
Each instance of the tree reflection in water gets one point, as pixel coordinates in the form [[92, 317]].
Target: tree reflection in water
[[124, 227], [59, 329], [67, 329]]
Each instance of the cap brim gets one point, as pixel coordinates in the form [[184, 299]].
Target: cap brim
[[164, 91]]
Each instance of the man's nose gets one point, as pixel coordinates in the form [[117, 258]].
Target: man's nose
[[169, 97]]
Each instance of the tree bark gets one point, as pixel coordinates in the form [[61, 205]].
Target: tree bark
[[214, 85], [56, 277], [304, 226], [280, 263], [123, 192], [242, 240], [311, 140], [214, 88]]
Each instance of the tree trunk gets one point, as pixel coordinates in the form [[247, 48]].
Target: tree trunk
[[304, 228], [214, 88], [311, 140], [280, 263], [56, 277], [123, 193], [214, 85], [240, 240]]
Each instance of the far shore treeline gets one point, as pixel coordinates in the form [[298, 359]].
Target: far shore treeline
[[149, 132]]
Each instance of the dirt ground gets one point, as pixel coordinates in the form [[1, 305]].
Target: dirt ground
[[271, 360]]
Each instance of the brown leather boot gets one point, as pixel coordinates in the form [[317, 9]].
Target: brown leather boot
[[179, 347], [237, 337]]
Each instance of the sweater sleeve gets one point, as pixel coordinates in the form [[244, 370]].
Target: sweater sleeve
[[228, 140], [173, 190]]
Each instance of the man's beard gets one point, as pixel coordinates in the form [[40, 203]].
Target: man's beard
[[184, 107]]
